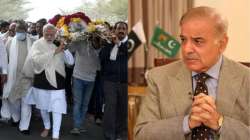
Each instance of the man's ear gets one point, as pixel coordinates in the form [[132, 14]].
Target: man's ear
[[223, 42]]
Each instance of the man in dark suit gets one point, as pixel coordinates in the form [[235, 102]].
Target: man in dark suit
[[114, 65]]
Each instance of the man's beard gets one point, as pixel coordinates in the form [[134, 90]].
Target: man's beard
[[33, 33], [121, 35], [49, 41]]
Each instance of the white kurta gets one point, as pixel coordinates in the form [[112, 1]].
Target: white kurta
[[44, 59], [17, 52], [50, 100]]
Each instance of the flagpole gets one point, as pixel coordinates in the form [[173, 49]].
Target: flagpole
[[145, 60]]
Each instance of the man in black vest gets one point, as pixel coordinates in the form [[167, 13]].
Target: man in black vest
[[114, 66]]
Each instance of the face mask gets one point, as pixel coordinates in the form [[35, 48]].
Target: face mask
[[20, 36]]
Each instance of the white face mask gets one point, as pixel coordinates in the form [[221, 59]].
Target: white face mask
[[20, 36]]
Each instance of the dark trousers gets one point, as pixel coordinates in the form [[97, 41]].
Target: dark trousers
[[116, 110], [97, 98], [68, 84]]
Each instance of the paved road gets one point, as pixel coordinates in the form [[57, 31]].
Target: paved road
[[94, 132]]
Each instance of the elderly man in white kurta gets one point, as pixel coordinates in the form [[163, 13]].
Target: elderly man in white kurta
[[49, 86], [17, 49]]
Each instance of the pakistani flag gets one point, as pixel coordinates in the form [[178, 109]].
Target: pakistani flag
[[165, 42], [136, 37]]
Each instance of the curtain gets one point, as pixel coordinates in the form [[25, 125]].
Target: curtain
[[164, 13]]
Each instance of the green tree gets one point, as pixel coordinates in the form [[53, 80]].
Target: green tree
[[113, 9], [109, 10], [13, 9]]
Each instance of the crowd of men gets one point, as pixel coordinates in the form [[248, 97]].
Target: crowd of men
[[40, 71]]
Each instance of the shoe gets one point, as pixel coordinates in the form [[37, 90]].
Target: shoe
[[98, 121], [119, 138], [82, 130], [25, 132], [45, 133], [14, 124], [75, 131], [4, 120]]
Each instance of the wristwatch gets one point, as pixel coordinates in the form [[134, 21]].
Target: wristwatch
[[220, 122]]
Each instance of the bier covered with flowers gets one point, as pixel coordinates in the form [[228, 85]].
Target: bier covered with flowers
[[78, 26]]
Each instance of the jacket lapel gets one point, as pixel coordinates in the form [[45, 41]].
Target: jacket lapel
[[227, 91], [182, 90]]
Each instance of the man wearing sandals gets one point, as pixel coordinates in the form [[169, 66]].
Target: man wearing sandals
[[49, 87]]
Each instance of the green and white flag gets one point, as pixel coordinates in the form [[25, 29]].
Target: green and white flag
[[164, 42]]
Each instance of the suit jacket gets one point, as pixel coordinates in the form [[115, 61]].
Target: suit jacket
[[168, 100]]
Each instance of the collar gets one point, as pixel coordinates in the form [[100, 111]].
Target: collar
[[124, 39], [214, 71]]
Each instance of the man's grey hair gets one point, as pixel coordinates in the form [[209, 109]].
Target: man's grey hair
[[221, 23], [49, 27]]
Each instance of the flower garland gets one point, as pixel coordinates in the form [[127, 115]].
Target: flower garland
[[67, 24], [78, 26], [93, 26]]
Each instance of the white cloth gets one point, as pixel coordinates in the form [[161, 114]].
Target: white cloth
[[50, 100], [10, 110], [3, 58], [5, 37], [12, 67], [44, 59], [36, 37], [68, 57], [57, 119], [26, 102], [25, 115], [5, 109], [29, 98], [114, 51], [28, 69]]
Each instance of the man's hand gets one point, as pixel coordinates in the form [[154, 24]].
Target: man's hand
[[3, 79], [61, 47], [194, 121], [204, 111], [115, 39]]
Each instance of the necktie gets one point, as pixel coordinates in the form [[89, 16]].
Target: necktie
[[202, 132]]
